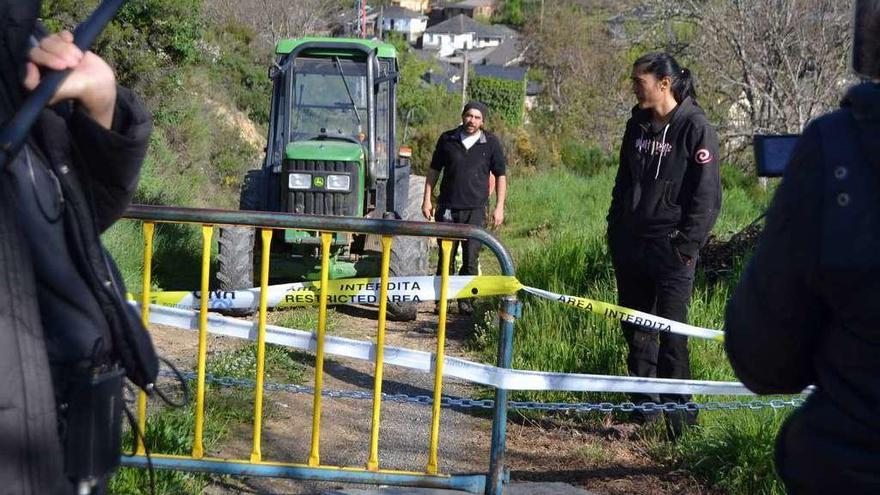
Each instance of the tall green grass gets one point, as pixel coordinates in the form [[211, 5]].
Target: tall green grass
[[733, 451]]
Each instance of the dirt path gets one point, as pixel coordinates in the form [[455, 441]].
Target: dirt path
[[590, 457]]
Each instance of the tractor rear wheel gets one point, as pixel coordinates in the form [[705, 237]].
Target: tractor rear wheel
[[409, 254]]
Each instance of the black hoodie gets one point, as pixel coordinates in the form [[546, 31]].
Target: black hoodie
[[668, 183]]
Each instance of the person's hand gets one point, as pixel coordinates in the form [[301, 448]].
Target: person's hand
[[428, 210], [687, 260], [91, 81], [497, 217]]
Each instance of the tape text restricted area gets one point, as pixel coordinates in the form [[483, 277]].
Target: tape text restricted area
[[417, 289]]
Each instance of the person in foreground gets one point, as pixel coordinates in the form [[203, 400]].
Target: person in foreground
[[806, 310], [65, 327]]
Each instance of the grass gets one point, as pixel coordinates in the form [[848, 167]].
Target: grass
[[170, 431], [731, 450], [555, 231], [283, 365]]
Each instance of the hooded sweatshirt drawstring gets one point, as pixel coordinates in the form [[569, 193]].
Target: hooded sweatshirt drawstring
[[662, 147]]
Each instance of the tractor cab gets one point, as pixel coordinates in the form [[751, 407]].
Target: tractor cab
[[331, 150], [332, 127]]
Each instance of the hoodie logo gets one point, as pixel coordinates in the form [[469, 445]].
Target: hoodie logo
[[653, 147], [703, 156]]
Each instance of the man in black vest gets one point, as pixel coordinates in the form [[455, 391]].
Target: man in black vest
[[466, 155], [805, 311]]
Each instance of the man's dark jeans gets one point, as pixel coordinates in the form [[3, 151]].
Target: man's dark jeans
[[471, 249]]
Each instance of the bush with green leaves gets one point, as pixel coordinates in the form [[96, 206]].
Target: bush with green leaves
[[144, 42], [506, 98]]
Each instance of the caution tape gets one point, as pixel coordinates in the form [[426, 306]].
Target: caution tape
[[484, 374], [639, 318], [344, 291], [417, 289]]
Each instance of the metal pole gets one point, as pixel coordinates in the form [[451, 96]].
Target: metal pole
[[434, 443], [495, 483], [373, 460], [363, 19], [149, 230], [464, 79], [315, 453], [198, 450], [256, 451]]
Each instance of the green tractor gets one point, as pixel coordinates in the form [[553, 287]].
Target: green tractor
[[331, 150]]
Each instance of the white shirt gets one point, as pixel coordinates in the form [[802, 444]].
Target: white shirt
[[468, 140]]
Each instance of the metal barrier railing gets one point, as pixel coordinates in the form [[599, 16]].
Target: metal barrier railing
[[491, 483]]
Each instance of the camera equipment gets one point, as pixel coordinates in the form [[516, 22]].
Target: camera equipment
[[92, 419], [772, 153]]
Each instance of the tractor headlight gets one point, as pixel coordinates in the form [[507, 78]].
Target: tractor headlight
[[299, 181], [338, 182]]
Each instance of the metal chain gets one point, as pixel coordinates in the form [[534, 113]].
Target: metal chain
[[447, 401]]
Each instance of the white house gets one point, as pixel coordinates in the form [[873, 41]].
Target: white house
[[409, 23], [460, 33]]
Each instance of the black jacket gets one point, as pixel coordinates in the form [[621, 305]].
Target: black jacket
[[63, 299], [465, 183], [668, 179], [74, 179], [806, 309], [70, 182]]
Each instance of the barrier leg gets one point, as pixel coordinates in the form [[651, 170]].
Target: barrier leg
[[256, 454], [314, 455], [445, 249], [494, 485]]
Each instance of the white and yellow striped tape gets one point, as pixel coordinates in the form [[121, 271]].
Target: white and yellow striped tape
[[344, 291], [417, 289]]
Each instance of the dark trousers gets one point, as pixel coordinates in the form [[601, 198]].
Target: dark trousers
[[471, 249], [651, 277]]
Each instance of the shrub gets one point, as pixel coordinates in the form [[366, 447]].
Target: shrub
[[506, 98], [584, 159]]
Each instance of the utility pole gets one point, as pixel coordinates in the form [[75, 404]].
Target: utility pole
[[381, 22], [464, 78], [363, 19], [541, 22]]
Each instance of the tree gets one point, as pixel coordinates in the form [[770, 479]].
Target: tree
[[511, 13], [769, 65], [583, 72], [278, 19]]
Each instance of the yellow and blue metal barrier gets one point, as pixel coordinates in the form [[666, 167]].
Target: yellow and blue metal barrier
[[490, 483]]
